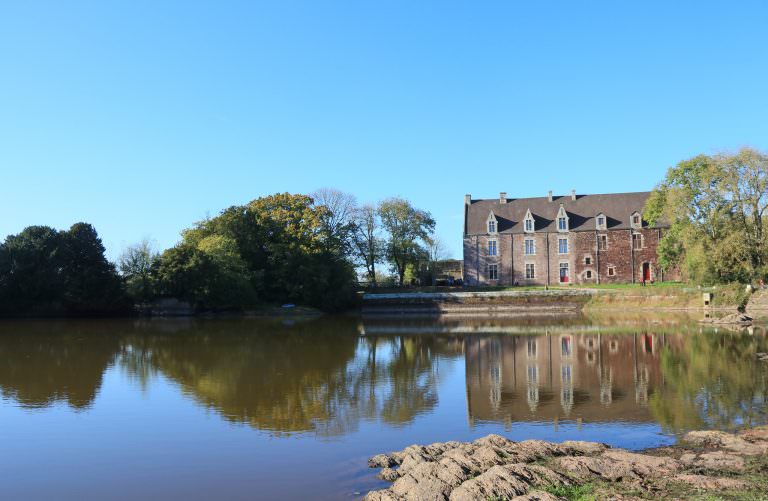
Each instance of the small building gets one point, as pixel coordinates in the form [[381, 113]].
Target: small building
[[449, 269], [554, 240]]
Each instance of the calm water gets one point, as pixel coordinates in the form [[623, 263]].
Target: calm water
[[266, 409]]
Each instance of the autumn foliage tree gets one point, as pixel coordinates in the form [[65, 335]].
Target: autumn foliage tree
[[716, 206]]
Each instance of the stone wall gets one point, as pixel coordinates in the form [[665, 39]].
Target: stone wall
[[618, 262]]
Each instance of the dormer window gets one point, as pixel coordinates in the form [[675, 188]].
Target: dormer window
[[562, 219], [636, 220], [600, 222], [528, 223], [492, 224]]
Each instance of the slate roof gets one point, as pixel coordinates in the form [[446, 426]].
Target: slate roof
[[617, 208]]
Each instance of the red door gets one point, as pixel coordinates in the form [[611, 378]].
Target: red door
[[646, 272]]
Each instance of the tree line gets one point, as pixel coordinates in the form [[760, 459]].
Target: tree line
[[282, 248], [716, 208]]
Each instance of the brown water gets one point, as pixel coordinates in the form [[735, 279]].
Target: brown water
[[266, 409]]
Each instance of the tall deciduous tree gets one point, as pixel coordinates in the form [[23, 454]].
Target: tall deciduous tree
[[716, 208], [408, 231], [367, 244], [338, 218], [136, 265]]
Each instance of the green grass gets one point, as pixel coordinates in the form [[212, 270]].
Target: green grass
[[584, 492]]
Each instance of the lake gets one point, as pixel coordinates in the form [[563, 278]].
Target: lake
[[292, 409]]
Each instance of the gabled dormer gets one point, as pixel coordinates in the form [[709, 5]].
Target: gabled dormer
[[562, 219], [491, 224], [601, 222], [529, 224], [636, 220]]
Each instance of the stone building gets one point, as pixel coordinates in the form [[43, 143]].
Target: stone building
[[554, 240]]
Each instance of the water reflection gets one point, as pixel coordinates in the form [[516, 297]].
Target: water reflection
[[328, 376], [551, 377]]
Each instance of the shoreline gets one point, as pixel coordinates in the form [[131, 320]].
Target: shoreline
[[732, 465]]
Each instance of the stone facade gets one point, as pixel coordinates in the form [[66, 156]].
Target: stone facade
[[602, 239]]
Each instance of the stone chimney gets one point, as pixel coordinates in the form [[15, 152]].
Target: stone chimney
[[467, 199], [503, 197], [573, 195], [549, 196]]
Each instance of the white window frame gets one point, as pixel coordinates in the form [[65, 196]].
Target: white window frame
[[611, 272], [529, 224], [632, 222], [560, 240], [493, 247], [638, 237], [533, 247], [604, 224], [562, 217], [600, 238], [492, 224], [495, 268], [564, 265], [532, 268]]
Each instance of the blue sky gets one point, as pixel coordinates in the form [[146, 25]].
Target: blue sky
[[142, 117]]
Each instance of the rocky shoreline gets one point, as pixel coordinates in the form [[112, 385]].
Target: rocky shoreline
[[702, 465]]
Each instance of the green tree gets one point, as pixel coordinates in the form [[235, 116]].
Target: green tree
[[715, 206], [408, 230], [275, 248], [49, 272], [367, 245], [136, 266]]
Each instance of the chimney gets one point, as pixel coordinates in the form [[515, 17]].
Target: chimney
[[573, 195], [503, 197], [467, 199], [549, 195]]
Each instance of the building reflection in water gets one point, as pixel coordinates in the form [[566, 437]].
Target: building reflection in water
[[557, 376]]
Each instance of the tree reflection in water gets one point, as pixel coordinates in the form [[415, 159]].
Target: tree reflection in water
[[326, 376]]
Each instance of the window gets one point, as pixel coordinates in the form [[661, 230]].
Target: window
[[529, 224], [532, 345], [533, 374], [562, 245], [600, 220], [588, 274], [566, 374], [636, 219], [602, 242], [491, 226], [637, 241], [565, 346], [588, 260], [493, 272], [491, 247], [530, 248], [562, 219], [564, 273], [530, 270], [611, 271]]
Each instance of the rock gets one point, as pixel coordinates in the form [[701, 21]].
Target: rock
[[615, 465], [710, 483], [716, 461], [757, 434], [496, 468], [537, 496], [507, 481], [722, 440]]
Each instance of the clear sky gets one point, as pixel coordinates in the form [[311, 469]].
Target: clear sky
[[144, 116]]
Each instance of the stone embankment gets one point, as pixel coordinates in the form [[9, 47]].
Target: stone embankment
[[706, 462], [507, 303]]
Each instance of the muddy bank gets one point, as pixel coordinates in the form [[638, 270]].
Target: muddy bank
[[731, 466]]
